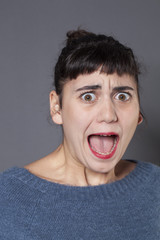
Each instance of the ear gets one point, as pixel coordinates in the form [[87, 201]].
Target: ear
[[55, 110], [140, 119]]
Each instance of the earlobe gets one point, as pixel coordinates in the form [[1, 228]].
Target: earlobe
[[140, 119], [55, 110]]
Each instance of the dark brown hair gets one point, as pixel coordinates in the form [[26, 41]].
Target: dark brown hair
[[86, 52]]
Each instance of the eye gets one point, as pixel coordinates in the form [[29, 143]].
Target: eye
[[123, 96], [88, 97]]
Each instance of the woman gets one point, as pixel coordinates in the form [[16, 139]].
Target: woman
[[84, 190]]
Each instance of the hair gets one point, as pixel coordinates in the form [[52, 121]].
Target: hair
[[86, 52]]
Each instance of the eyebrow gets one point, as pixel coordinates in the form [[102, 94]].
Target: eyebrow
[[94, 87], [122, 88], [89, 87]]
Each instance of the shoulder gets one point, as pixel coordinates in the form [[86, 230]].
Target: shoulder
[[151, 173], [15, 184], [7, 177], [154, 169], [155, 173], [16, 192], [148, 166], [17, 198]]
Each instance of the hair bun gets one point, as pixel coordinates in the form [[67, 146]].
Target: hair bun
[[74, 35]]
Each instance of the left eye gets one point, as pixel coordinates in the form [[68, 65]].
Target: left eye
[[88, 97], [122, 96]]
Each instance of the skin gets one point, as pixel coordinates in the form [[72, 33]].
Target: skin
[[92, 103]]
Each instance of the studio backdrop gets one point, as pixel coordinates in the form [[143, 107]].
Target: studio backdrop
[[32, 33]]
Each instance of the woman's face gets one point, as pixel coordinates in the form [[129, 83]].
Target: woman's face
[[99, 114]]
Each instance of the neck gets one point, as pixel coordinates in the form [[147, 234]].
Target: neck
[[84, 176], [94, 178]]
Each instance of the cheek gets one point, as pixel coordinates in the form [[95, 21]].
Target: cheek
[[129, 116], [129, 124], [74, 119]]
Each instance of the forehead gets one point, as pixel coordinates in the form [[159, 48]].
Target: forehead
[[105, 81]]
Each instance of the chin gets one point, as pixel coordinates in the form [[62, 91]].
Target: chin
[[103, 167]]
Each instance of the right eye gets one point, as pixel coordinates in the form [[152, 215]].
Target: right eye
[[88, 97]]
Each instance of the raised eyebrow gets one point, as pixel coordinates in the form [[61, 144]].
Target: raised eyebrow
[[122, 88], [89, 87]]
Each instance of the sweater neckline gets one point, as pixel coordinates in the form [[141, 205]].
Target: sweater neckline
[[135, 179]]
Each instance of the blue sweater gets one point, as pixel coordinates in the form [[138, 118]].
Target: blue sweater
[[35, 209]]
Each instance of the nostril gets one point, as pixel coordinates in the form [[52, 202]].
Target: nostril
[[107, 113]]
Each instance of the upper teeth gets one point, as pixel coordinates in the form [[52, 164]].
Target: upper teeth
[[104, 135]]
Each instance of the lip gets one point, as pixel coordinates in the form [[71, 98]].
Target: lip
[[102, 156]]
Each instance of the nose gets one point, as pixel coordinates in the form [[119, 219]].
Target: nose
[[107, 112]]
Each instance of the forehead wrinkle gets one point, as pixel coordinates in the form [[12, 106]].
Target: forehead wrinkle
[[106, 81], [116, 80]]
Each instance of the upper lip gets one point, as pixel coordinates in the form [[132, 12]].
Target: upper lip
[[105, 134]]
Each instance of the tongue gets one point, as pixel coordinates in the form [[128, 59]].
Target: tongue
[[101, 144]]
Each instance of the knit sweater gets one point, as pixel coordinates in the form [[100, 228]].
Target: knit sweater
[[32, 208]]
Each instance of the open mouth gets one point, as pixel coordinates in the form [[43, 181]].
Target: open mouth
[[103, 145]]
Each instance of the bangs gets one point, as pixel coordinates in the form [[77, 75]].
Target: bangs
[[109, 60], [87, 53]]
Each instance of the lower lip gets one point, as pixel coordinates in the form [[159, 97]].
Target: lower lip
[[102, 156]]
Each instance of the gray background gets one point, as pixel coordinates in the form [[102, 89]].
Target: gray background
[[31, 36]]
